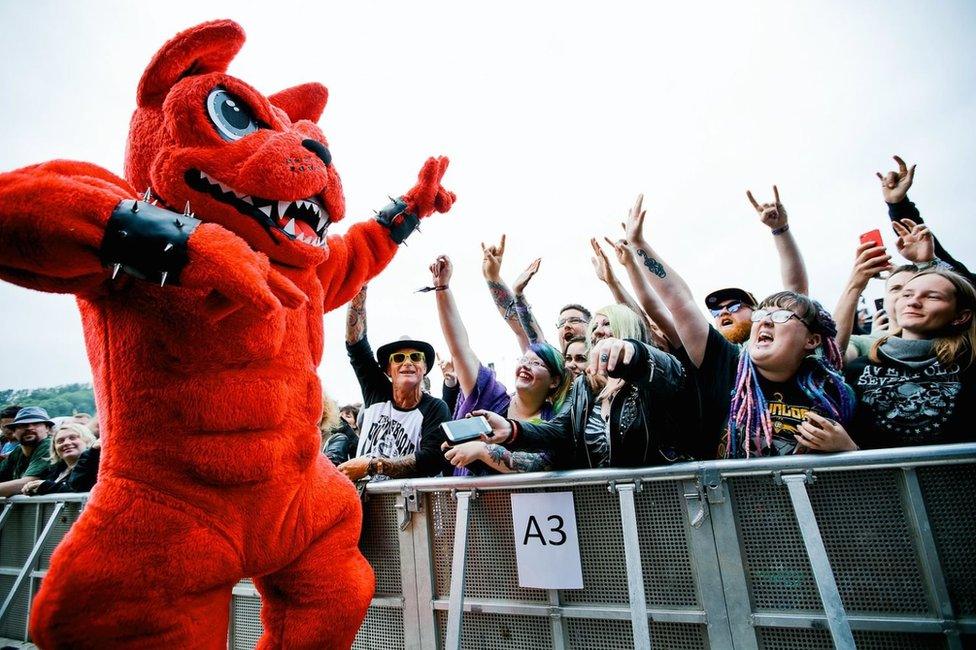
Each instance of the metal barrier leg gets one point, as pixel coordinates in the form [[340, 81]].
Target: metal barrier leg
[[3, 515], [423, 559], [928, 554], [456, 606], [557, 622], [705, 559], [29, 563], [635, 570], [823, 574]]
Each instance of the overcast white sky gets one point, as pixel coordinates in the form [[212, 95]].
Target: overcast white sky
[[555, 115]]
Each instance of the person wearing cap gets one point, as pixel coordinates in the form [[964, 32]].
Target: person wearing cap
[[31, 429], [731, 311], [400, 434]]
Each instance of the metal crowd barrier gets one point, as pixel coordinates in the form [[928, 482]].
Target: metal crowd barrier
[[869, 550]]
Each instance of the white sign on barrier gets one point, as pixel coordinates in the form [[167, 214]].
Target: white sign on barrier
[[546, 544]]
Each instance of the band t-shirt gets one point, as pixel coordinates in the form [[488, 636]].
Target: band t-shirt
[[715, 379], [389, 432], [898, 405]]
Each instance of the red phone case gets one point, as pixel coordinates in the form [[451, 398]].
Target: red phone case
[[873, 236]]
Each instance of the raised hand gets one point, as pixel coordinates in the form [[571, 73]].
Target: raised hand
[[895, 184], [772, 214], [491, 260], [600, 263], [634, 226], [447, 369], [523, 280], [625, 254], [915, 242], [441, 271], [428, 194], [869, 262]]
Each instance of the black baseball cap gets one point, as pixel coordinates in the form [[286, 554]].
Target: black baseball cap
[[384, 351], [715, 298]]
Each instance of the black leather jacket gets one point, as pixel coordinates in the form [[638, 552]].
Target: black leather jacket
[[646, 416]]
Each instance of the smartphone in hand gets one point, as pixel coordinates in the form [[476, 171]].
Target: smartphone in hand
[[458, 431]]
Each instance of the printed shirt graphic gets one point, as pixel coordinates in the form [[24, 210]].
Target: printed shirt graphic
[[898, 405], [388, 432], [787, 412]]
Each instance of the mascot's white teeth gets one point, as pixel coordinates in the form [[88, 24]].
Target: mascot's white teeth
[[285, 215]]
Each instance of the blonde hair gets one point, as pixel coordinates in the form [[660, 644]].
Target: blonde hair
[[624, 323], [83, 432], [957, 343]]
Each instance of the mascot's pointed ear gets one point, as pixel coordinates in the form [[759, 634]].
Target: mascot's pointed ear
[[305, 102], [205, 48]]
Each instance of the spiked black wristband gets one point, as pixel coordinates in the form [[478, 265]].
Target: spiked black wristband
[[147, 242], [397, 220]]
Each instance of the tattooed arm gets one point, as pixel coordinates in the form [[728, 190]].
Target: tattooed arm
[[689, 321], [522, 309], [497, 457], [356, 318], [397, 467], [507, 461], [501, 295]]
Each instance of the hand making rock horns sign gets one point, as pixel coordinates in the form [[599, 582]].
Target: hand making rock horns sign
[[772, 214]]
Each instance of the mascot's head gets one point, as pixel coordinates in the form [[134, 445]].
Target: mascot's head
[[256, 165]]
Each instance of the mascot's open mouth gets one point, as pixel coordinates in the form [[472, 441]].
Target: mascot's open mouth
[[305, 219]]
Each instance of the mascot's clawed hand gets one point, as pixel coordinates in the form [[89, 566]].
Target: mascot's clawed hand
[[202, 301]]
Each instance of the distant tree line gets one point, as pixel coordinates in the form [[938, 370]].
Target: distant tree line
[[57, 400]]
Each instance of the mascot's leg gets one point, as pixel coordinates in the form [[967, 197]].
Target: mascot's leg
[[137, 573], [319, 600]]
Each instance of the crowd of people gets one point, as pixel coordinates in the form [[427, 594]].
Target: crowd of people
[[650, 379], [44, 455], [645, 380]]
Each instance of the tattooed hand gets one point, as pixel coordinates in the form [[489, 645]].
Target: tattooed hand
[[491, 261]]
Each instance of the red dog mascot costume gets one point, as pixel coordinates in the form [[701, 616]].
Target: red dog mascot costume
[[204, 332]]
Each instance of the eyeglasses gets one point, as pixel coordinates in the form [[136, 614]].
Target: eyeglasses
[[529, 361], [732, 307], [400, 357], [777, 316], [571, 320]]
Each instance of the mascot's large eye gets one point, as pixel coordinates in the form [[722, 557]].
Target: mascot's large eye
[[230, 115]]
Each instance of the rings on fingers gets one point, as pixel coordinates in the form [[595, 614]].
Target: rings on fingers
[[604, 357]]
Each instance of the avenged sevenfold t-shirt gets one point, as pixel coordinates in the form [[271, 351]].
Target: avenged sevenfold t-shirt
[[898, 405]]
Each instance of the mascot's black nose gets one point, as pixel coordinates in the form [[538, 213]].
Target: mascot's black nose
[[318, 149]]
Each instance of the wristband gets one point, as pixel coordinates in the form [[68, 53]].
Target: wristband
[[147, 242], [781, 229], [398, 220], [440, 287], [934, 263], [515, 431]]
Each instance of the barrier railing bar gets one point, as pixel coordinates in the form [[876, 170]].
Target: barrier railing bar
[[6, 513], [423, 556], [729, 551], [408, 575], [556, 621], [823, 574], [857, 622], [457, 570], [635, 571], [39, 542], [705, 561], [931, 566], [30, 581], [620, 613], [870, 459], [12, 571]]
